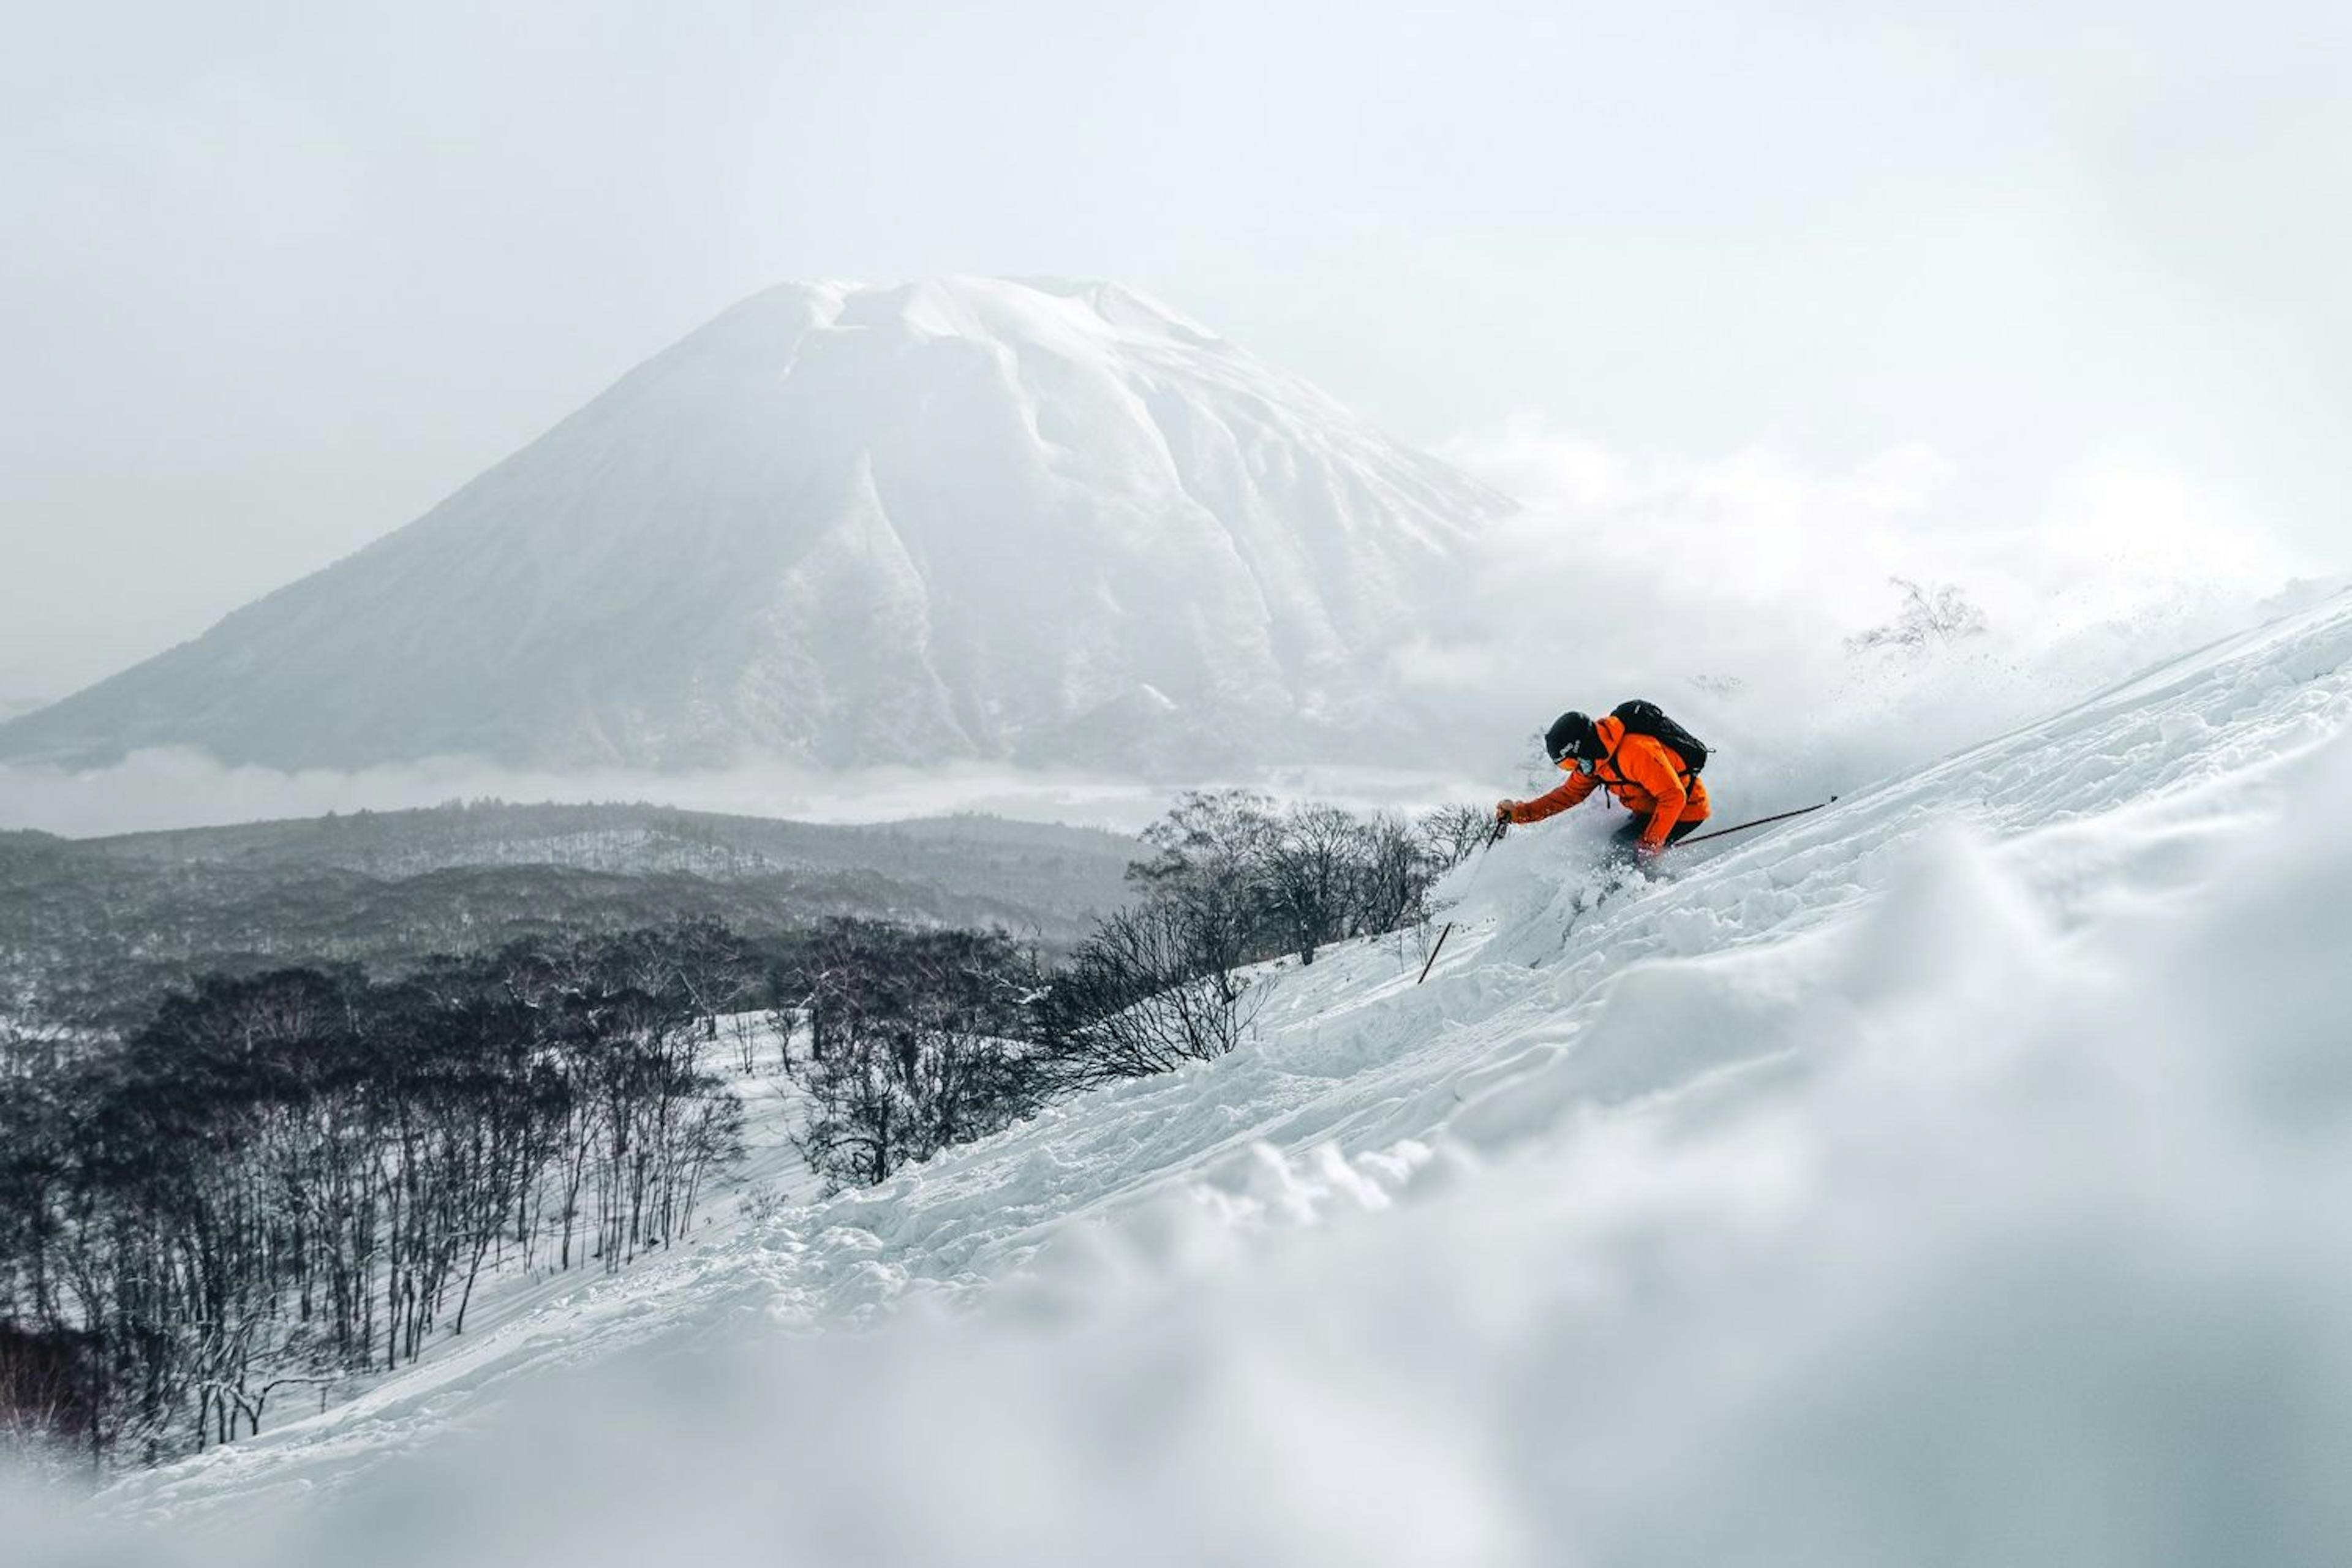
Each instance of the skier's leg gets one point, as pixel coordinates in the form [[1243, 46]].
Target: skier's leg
[[1624, 845], [1625, 841]]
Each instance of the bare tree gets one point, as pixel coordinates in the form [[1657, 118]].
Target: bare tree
[[918, 1040], [1136, 999], [1927, 618], [1393, 866], [284, 1179], [1454, 832], [1212, 851], [1309, 875]]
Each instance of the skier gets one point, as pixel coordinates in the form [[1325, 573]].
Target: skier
[[1654, 780]]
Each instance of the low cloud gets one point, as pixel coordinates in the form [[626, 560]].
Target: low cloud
[[1738, 590], [1741, 592], [178, 787]]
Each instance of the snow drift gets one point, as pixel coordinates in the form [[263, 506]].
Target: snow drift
[[1036, 521], [1954, 1176]]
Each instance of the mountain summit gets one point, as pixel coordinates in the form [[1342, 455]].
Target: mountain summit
[[1040, 521]]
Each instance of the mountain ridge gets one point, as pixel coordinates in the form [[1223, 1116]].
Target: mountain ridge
[[1045, 523]]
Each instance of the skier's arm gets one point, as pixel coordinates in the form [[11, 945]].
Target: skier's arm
[[1647, 766], [1578, 786]]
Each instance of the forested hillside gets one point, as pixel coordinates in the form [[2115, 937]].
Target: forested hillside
[[88, 927]]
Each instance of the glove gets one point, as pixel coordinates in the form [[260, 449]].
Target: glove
[[1503, 810]]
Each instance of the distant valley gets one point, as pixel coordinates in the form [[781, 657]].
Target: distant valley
[[90, 927]]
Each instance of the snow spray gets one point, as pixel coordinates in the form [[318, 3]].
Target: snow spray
[[1502, 825]]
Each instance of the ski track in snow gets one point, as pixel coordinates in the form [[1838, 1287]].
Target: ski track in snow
[[1359, 1086]]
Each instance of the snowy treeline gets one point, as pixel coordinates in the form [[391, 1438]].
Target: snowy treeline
[[286, 1180], [915, 1040], [918, 1040], [1234, 881], [1056, 867], [92, 929]]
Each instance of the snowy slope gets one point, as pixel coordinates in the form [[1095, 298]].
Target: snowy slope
[[1052, 522], [1954, 1176]]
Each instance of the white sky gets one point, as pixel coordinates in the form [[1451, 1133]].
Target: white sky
[[274, 280]]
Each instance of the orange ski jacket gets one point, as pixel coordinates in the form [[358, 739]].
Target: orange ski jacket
[[1641, 773]]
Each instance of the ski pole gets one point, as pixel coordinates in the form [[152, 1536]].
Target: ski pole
[[1502, 825], [1742, 828], [1434, 951]]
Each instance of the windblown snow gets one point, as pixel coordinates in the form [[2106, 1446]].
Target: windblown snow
[[1953, 1175], [1044, 522]]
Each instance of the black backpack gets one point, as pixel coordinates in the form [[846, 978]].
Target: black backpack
[[1641, 718]]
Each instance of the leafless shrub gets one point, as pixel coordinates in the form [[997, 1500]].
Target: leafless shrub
[[1451, 833], [1927, 618], [1137, 999]]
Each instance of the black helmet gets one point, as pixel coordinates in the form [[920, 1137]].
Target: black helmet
[[1571, 735]]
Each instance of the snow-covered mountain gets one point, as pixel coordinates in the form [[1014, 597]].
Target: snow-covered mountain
[[1953, 1175], [1043, 521]]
